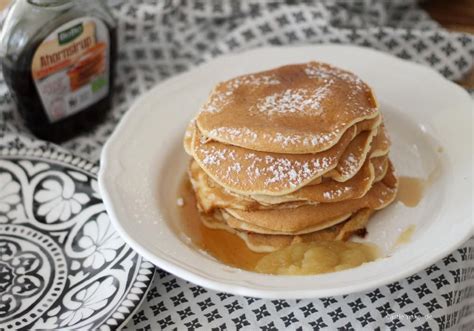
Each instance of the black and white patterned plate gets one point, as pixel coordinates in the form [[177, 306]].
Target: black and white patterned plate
[[62, 265]]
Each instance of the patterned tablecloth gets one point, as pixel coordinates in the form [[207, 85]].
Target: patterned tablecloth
[[158, 40]]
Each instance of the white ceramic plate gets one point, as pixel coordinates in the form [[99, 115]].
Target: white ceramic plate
[[430, 121]]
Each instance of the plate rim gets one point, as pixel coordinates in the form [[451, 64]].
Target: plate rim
[[245, 290]]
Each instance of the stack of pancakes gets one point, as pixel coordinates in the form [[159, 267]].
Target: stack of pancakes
[[293, 154]]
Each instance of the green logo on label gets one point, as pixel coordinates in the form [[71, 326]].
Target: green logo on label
[[70, 34], [98, 84]]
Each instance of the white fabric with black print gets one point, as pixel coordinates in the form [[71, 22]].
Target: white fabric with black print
[[158, 39]]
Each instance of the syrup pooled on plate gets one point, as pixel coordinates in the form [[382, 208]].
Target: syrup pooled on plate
[[412, 189], [222, 245], [297, 259], [405, 236]]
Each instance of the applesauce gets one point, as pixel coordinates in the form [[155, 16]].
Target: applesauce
[[316, 258]]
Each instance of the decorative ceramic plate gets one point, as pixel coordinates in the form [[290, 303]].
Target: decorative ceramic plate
[[62, 264], [430, 121]]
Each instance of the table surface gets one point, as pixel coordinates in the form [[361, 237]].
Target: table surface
[[456, 15]]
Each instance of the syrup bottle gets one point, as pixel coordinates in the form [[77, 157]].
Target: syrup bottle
[[57, 59]]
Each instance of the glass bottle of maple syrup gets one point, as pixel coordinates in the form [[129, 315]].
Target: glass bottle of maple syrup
[[57, 59]]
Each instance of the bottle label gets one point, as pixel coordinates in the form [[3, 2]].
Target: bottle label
[[71, 67]]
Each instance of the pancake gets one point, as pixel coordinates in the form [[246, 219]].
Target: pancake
[[380, 167], [295, 154], [356, 225], [353, 157], [329, 190], [316, 181], [210, 195], [294, 109], [355, 154], [381, 143], [240, 225], [264, 243], [298, 219], [250, 172]]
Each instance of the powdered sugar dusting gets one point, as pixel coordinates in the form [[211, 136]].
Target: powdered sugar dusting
[[231, 133], [327, 195], [301, 100], [336, 193], [215, 103], [249, 168], [350, 165], [330, 74], [214, 156], [298, 140], [307, 93], [222, 94], [253, 81], [246, 135]]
